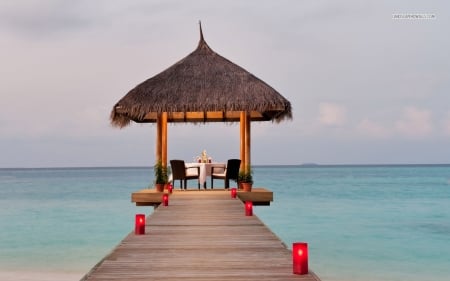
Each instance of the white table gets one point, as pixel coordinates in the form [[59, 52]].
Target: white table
[[205, 170]]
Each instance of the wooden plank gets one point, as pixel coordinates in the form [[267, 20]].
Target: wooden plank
[[258, 195], [147, 196], [150, 197], [210, 116], [200, 236]]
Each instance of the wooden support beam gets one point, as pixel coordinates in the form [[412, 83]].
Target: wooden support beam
[[242, 139], [164, 139], [150, 197], [247, 141], [158, 156], [209, 116]]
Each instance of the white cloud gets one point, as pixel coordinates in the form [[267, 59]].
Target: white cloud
[[331, 114], [446, 124], [372, 129], [415, 122]]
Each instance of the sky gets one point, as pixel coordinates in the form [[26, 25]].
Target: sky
[[368, 81]]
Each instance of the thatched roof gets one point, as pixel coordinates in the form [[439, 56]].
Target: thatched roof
[[202, 87]]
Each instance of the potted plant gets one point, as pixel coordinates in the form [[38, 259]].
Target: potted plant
[[245, 179], [161, 178]]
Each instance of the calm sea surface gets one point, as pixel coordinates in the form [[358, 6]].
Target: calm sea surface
[[361, 222]]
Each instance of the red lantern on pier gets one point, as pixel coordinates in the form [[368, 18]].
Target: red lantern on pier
[[233, 192], [139, 225], [300, 258], [165, 199], [170, 188], [248, 208]]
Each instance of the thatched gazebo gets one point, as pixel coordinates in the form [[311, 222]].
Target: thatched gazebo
[[202, 87]]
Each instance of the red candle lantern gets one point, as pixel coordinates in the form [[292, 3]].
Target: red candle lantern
[[300, 258], [233, 192], [249, 208], [139, 225], [165, 199], [170, 188]]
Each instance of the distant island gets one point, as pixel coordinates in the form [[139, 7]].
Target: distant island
[[309, 164]]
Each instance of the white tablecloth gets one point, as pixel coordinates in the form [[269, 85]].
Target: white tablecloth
[[205, 169]]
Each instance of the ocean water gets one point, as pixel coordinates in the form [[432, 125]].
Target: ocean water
[[366, 223]]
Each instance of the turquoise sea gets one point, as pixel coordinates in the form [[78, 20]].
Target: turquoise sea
[[361, 222]]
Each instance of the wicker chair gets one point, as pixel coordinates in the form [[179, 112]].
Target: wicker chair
[[182, 173], [230, 172]]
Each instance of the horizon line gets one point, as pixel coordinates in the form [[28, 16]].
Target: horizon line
[[304, 165]]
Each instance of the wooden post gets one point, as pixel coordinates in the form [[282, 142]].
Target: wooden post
[[158, 156], [164, 139], [247, 141], [242, 139]]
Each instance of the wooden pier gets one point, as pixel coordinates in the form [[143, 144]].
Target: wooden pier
[[150, 197], [201, 235]]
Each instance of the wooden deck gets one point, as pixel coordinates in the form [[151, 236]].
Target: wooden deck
[[150, 197], [200, 236]]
